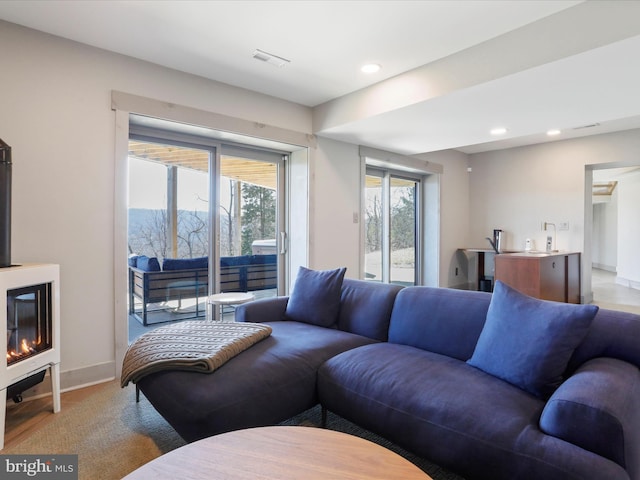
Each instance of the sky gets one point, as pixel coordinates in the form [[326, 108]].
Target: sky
[[148, 187]]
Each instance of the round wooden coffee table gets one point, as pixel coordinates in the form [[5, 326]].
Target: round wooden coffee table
[[283, 453]]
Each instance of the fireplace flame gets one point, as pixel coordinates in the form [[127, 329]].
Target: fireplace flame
[[23, 351], [13, 355]]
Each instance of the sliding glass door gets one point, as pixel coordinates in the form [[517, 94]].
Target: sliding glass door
[[203, 219], [391, 217], [168, 229], [249, 221]]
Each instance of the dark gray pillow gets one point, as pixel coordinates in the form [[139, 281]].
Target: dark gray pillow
[[316, 297]]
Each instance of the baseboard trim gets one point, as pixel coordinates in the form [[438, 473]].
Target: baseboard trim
[[606, 268], [625, 282]]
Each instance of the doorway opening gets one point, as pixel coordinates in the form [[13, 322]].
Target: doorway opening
[[614, 263]]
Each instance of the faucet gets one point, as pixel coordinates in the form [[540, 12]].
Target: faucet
[[495, 248], [551, 240]]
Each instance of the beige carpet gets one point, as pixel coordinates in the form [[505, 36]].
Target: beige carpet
[[111, 433]]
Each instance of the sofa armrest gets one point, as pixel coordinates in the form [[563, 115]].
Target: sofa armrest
[[596, 409], [262, 310]]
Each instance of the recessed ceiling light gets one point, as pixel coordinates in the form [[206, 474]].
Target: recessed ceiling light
[[370, 68], [553, 132], [498, 131], [270, 58]]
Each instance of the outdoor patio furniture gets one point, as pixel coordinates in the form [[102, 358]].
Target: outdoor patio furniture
[[179, 279]]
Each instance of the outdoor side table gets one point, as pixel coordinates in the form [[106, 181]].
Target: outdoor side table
[[229, 298]]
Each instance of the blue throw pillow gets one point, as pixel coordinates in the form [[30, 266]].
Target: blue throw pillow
[[316, 297], [528, 342]]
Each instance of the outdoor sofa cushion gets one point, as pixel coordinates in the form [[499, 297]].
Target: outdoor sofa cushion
[[148, 264], [185, 263]]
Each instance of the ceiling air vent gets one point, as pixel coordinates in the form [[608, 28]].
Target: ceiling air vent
[[270, 58], [587, 126]]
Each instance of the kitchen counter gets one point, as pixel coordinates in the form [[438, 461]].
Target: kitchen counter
[[484, 282]]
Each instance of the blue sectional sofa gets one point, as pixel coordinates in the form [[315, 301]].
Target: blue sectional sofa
[[490, 386]]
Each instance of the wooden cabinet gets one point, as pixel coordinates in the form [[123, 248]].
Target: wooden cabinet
[[554, 276]]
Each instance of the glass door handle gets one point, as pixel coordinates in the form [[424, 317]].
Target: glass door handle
[[283, 240]]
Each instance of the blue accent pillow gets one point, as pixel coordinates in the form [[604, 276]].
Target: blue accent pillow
[[148, 264], [316, 297], [528, 342]]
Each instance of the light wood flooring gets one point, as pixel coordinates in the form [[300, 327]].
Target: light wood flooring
[[609, 294], [26, 418]]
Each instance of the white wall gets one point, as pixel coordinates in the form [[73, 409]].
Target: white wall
[[56, 115], [604, 249], [516, 189], [629, 230], [335, 198]]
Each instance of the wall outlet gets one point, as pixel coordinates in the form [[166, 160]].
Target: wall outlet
[[563, 226]]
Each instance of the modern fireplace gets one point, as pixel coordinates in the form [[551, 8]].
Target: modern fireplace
[[29, 302], [28, 322], [29, 313]]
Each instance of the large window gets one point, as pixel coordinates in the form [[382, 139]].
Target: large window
[[391, 217]]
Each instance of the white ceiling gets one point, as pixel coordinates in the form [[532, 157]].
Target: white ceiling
[[591, 79]]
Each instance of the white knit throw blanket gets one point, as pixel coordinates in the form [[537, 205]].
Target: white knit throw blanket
[[199, 345]]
